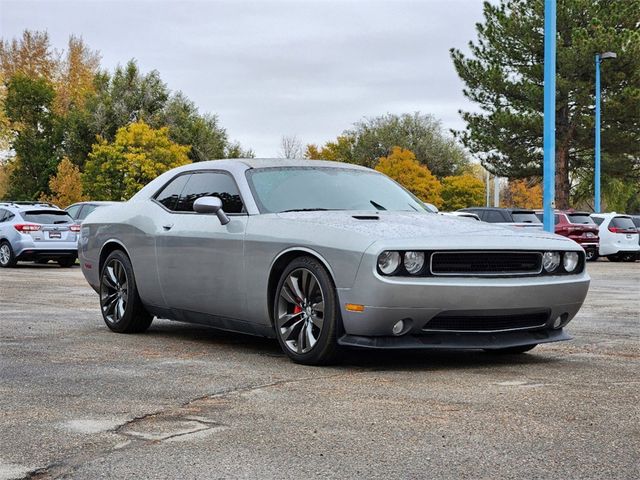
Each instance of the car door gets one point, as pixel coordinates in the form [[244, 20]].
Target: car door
[[200, 262]]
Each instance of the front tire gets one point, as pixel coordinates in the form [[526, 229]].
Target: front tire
[[121, 307], [306, 314], [591, 255], [7, 257]]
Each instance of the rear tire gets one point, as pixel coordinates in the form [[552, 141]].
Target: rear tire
[[7, 257], [67, 262], [614, 258], [512, 350], [306, 313], [121, 307], [629, 257], [591, 255]]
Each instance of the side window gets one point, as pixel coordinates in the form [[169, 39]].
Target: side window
[[73, 211], [557, 217], [493, 216], [211, 184], [169, 195], [86, 210], [598, 220], [3, 214]]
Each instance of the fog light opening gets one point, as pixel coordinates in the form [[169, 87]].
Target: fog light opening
[[561, 321], [557, 323], [398, 327]]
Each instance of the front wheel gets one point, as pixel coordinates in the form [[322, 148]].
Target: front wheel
[[306, 313], [512, 350], [591, 255], [121, 307]]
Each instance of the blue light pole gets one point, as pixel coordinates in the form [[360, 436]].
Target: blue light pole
[[549, 140], [596, 173]]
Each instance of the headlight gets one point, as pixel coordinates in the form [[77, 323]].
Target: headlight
[[550, 261], [388, 262], [413, 262], [570, 261]]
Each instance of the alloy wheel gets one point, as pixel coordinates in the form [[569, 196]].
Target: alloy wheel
[[300, 313], [5, 254], [114, 291]]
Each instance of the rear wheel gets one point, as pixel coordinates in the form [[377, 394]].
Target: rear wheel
[[306, 313], [512, 350], [7, 257], [614, 258], [629, 257], [120, 303], [67, 262]]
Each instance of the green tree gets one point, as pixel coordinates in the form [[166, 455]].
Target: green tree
[[462, 191], [117, 170], [504, 75], [402, 166], [374, 138], [36, 136]]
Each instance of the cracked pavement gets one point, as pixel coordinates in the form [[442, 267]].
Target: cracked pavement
[[184, 401]]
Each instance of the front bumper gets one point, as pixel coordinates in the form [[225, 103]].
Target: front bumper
[[443, 341], [480, 300]]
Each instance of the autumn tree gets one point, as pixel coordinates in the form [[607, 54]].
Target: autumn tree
[[524, 193], [339, 151], [5, 175], [503, 76], [75, 78], [462, 191], [31, 56], [65, 185], [402, 166], [117, 170]]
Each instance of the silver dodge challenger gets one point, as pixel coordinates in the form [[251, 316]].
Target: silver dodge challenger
[[322, 256]]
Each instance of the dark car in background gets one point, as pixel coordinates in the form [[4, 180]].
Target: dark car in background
[[579, 227], [514, 217], [79, 211]]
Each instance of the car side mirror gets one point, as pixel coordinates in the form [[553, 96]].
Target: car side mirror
[[211, 205]]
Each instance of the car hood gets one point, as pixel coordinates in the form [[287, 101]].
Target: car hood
[[441, 231]]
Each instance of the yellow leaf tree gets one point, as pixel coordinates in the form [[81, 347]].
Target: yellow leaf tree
[[65, 185], [76, 77], [402, 166], [339, 151], [139, 153], [462, 191], [523, 194]]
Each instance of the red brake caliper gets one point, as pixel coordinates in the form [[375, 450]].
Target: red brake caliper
[[297, 309]]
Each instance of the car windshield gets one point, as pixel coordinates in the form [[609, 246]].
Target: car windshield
[[525, 217], [580, 218], [47, 217], [285, 189]]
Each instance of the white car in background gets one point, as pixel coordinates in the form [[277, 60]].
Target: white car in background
[[618, 237], [469, 215]]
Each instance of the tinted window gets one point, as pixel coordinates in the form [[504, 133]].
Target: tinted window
[[86, 210], [580, 218], [47, 217], [598, 220], [3, 215], [328, 188], [210, 184], [493, 216], [526, 217], [169, 195], [73, 210], [541, 217], [623, 223], [636, 221]]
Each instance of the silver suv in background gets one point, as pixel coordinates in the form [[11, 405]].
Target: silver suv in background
[[36, 232]]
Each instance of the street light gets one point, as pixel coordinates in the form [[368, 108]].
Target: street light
[[599, 58]]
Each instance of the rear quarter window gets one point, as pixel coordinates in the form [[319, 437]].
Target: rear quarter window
[[526, 217], [580, 219], [47, 217], [598, 220]]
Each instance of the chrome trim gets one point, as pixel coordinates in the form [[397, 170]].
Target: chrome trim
[[476, 274]]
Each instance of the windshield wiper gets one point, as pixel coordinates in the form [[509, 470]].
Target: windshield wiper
[[377, 205], [305, 210]]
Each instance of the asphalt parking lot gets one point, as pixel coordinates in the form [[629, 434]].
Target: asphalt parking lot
[[181, 401]]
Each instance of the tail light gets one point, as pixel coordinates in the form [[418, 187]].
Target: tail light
[[75, 228], [622, 230], [27, 227]]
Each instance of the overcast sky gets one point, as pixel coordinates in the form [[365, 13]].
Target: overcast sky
[[266, 68]]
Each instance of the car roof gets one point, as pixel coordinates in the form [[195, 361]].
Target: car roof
[[97, 202], [502, 209], [610, 214], [24, 206], [273, 162]]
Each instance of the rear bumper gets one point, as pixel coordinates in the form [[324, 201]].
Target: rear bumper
[[27, 248], [435, 341], [41, 253]]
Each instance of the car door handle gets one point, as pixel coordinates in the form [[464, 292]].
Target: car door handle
[[167, 227]]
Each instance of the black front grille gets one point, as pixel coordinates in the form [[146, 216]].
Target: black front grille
[[485, 263], [486, 323]]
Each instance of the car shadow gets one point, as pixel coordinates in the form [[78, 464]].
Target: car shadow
[[352, 359]]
